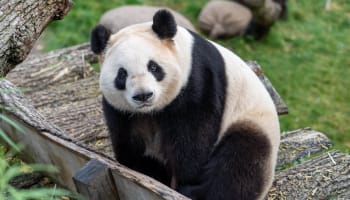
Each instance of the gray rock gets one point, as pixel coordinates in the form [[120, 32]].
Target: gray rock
[[124, 16], [224, 19]]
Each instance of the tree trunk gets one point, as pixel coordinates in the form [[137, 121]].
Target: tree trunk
[[21, 23]]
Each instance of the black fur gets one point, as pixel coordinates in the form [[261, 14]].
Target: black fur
[[99, 39], [120, 80], [236, 168], [156, 70], [129, 148], [164, 24], [190, 124]]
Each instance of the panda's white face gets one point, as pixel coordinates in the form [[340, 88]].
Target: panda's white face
[[141, 73]]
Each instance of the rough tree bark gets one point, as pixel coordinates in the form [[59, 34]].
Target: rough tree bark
[[21, 23]]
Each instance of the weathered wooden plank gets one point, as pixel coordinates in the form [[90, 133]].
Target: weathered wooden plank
[[128, 185], [94, 181], [43, 147], [278, 101], [301, 143], [78, 102], [322, 177]]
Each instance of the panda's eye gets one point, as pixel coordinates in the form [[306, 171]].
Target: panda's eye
[[156, 70], [122, 74], [120, 80], [153, 67]]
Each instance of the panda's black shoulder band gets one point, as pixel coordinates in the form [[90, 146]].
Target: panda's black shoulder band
[[99, 38], [164, 24]]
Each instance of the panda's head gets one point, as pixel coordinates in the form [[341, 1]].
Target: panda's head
[[143, 69]]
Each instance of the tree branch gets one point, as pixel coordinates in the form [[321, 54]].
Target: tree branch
[[21, 23]]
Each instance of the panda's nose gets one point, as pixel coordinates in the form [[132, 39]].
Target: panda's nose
[[143, 96]]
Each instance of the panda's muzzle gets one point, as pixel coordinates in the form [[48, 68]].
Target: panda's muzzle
[[142, 97]]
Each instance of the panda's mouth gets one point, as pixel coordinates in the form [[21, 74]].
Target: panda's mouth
[[144, 105]]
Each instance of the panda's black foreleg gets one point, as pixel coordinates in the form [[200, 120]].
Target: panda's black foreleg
[[128, 148], [239, 168]]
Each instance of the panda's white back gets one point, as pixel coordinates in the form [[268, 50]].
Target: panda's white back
[[247, 98]]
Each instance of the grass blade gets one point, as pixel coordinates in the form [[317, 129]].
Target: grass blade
[[4, 136], [12, 123]]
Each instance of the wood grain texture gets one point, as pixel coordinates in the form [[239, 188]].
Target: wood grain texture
[[21, 23], [301, 143], [44, 147], [94, 181], [53, 68], [26, 180], [128, 185], [322, 177]]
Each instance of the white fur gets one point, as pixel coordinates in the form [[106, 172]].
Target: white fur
[[248, 100], [132, 48]]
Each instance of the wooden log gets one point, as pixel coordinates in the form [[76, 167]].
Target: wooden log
[[14, 100], [21, 23], [56, 67], [94, 181], [323, 177], [278, 101], [301, 143], [64, 94]]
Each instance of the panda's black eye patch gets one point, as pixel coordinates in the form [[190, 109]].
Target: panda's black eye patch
[[156, 70], [120, 80]]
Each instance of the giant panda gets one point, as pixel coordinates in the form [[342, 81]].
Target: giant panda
[[186, 111]]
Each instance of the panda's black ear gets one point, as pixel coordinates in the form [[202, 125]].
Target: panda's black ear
[[164, 24], [99, 38]]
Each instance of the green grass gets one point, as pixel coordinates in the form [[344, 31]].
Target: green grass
[[306, 57]]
